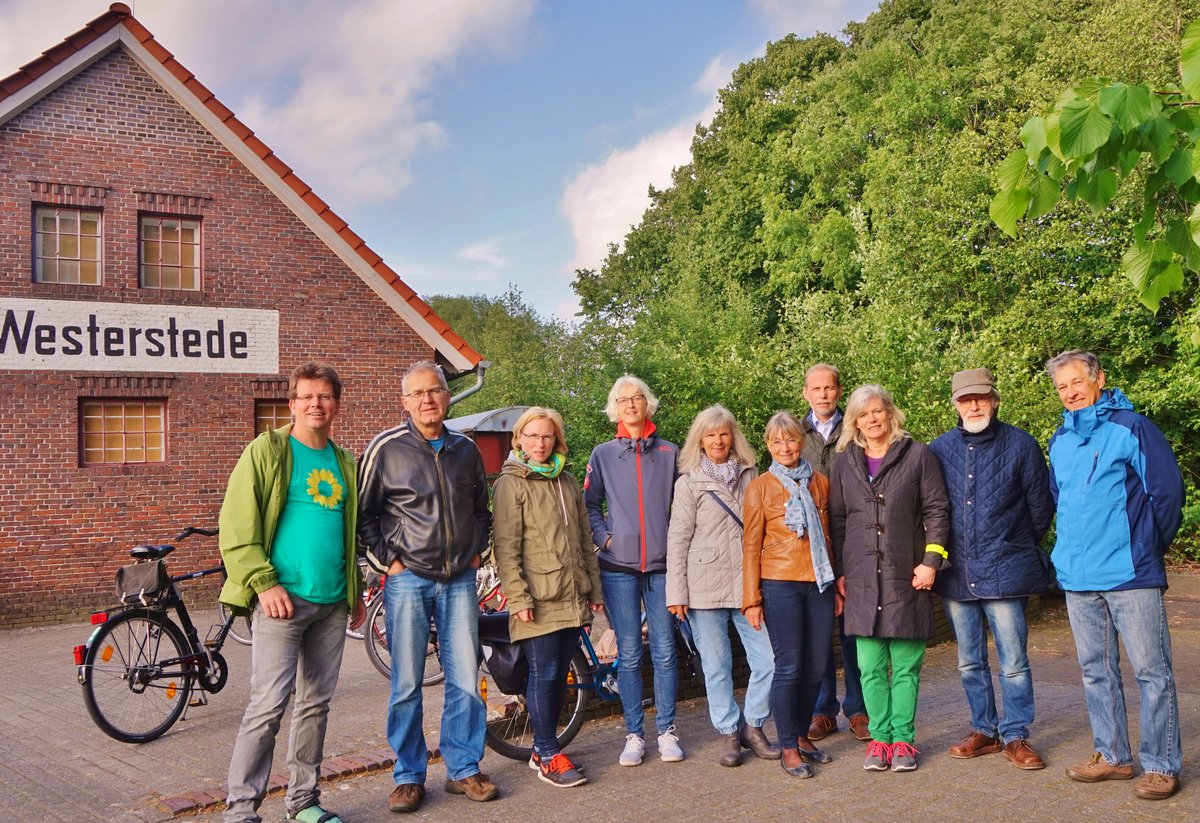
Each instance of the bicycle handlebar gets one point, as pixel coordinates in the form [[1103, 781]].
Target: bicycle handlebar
[[190, 530]]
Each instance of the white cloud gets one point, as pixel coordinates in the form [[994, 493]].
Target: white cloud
[[805, 18], [604, 200], [486, 252], [338, 89]]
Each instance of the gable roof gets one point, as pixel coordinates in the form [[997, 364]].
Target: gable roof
[[117, 28]]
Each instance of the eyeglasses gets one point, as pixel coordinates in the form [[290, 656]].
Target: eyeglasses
[[320, 398], [421, 394], [779, 444], [541, 438], [636, 398]]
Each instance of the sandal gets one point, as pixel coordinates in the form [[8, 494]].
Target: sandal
[[313, 814]]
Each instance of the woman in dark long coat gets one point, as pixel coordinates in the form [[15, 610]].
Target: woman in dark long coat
[[889, 518]]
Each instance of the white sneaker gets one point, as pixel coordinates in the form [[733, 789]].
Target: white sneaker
[[668, 746], [635, 747]]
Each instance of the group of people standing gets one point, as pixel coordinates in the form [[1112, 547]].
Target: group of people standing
[[853, 523]]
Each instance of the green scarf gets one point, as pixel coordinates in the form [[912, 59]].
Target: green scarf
[[551, 470]]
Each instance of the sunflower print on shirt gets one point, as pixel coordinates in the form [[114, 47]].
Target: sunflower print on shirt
[[324, 488]]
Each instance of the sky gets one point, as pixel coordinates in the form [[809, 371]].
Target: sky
[[477, 145]]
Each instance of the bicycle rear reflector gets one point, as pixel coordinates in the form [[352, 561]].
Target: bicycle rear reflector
[[80, 653], [99, 617]]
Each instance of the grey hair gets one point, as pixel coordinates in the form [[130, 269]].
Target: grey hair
[[712, 419], [423, 366], [816, 367], [1086, 358], [857, 404], [611, 408], [783, 422]]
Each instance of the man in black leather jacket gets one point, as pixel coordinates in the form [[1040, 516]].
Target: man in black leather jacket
[[423, 521]]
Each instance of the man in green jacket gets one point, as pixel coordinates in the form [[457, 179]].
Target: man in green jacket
[[287, 540]]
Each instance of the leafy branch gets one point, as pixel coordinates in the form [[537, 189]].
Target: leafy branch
[[1094, 137]]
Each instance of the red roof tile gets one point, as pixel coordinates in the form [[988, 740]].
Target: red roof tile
[[120, 15]]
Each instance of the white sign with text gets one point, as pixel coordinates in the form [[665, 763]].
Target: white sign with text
[[71, 335]]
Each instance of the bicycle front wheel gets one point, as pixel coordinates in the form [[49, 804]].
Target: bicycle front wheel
[[135, 686], [241, 629], [509, 730], [375, 636]]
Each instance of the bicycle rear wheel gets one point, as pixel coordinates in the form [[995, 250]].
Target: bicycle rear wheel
[[375, 635], [509, 730], [135, 688], [241, 629]]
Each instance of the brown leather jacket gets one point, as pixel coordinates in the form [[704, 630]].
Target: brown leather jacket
[[770, 549]]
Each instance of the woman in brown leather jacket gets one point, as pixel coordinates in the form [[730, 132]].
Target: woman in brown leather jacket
[[787, 582]]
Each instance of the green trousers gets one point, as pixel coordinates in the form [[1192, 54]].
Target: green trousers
[[891, 701]]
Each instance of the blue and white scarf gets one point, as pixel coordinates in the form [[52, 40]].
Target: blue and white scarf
[[800, 515]]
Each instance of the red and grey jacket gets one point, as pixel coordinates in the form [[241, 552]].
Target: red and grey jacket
[[628, 492]]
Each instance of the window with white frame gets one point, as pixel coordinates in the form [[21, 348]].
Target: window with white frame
[[169, 252], [67, 246], [122, 431]]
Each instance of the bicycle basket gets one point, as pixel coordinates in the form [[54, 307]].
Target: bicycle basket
[[141, 582]]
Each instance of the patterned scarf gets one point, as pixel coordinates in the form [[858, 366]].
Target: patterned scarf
[[724, 473], [800, 515], [551, 470]]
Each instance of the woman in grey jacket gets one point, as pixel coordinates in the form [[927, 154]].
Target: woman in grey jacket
[[704, 577]]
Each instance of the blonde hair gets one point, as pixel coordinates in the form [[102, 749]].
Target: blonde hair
[[783, 422], [713, 419], [857, 405], [541, 413], [613, 410]]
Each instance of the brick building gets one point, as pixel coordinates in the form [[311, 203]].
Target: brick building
[[161, 272]]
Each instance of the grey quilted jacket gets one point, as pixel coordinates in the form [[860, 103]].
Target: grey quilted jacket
[[704, 544]]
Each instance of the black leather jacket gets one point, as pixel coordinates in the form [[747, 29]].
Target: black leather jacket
[[428, 510]]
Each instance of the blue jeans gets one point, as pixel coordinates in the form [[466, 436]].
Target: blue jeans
[[800, 619], [549, 657], [710, 627], [1139, 618], [1006, 619], [411, 602], [852, 703], [303, 653], [625, 595]]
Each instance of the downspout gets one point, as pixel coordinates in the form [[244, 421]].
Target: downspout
[[483, 366]]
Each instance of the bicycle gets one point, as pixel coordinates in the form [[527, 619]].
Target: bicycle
[[138, 668], [509, 731], [491, 598]]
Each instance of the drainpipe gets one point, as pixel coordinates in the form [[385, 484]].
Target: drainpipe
[[483, 366]]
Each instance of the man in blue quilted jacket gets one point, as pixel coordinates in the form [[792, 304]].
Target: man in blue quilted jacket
[[1000, 508], [1120, 503]]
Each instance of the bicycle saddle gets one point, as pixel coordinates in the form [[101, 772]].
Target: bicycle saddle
[[150, 552]]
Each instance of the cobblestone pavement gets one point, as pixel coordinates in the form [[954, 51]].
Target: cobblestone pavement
[[56, 765]]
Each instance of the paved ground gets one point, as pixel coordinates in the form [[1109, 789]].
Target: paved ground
[[56, 765]]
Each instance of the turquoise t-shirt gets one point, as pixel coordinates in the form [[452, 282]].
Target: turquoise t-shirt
[[309, 553]]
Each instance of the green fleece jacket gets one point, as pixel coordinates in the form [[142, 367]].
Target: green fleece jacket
[[254, 501]]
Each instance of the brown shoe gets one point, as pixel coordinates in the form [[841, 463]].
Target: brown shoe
[[407, 797], [755, 739], [860, 725], [975, 745], [478, 787], [822, 726], [1023, 756], [1155, 786], [1097, 769], [731, 749]]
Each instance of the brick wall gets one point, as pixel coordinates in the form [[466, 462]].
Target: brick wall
[[111, 138]]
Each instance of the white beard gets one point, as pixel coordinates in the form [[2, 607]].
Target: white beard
[[976, 426]]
